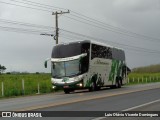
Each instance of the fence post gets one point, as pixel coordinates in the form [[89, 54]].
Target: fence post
[[133, 80], [23, 92], [2, 89], [38, 89], [128, 80]]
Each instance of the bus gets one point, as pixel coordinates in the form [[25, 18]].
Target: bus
[[87, 65]]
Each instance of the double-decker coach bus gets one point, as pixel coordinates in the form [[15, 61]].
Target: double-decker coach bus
[[87, 64]]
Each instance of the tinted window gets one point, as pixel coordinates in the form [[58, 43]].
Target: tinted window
[[101, 52], [118, 54], [69, 50]]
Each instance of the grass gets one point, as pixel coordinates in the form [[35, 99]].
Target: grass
[[141, 78], [13, 84]]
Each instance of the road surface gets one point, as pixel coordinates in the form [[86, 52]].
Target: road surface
[[121, 99]]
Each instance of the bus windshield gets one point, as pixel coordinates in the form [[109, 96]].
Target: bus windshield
[[66, 68]]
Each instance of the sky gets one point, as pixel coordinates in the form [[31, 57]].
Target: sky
[[27, 51]]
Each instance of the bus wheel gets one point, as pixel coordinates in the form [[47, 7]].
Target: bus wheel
[[118, 84], [99, 88], [66, 91], [93, 87]]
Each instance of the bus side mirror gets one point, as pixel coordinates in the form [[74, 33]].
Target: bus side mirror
[[45, 64]]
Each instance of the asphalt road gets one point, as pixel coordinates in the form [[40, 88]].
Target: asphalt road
[[114, 103], [54, 99], [103, 100], [155, 106]]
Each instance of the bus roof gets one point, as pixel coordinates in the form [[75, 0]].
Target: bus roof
[[90, 41], [104, 44]]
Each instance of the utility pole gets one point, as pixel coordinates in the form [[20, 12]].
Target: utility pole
[[57, 29]]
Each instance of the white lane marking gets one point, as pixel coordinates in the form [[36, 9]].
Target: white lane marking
[[131, 108], [138, 106], [99, 118]]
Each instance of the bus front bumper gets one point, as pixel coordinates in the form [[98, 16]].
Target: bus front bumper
[[68, 82]]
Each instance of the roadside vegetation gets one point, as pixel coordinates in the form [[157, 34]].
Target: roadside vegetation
[[142, 78], [18, 84], [24, 84], [2, 68], [146, 74], [147, 69]]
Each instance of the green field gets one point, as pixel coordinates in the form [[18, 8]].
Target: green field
[[13, 83], [138, 78]]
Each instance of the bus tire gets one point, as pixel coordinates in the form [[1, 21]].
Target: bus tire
[[66, 91], [118, 83], [93, 87], [112, 86], [98, 88]]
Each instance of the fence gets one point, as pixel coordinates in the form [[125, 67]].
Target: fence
[[16, 85], [138, 80]]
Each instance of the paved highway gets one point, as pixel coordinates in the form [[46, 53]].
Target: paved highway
[[103, 100], [114, 103], [42, 101]]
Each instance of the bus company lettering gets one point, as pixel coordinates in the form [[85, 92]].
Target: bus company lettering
[[101, 62]]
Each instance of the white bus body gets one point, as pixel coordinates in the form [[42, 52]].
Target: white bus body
[[86, 64]]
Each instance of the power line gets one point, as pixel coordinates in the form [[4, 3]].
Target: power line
[[25, 24], [124, 47], [33, 4], [22, 30], [80, 36], [112, 28], [93, 38], [51, 6], [96, 21], [78, 33], [25, 6], [71, 38]]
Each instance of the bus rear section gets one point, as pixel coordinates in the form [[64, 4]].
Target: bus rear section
[[107, 67]]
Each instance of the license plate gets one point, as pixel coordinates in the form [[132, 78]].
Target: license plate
[[65, 86]]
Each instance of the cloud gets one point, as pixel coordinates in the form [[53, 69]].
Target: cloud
[[137, 5], [28, 52]]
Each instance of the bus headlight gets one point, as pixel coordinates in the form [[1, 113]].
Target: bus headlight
[[80, 84]]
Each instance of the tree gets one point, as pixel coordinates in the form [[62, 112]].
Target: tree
[[2, 69]]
